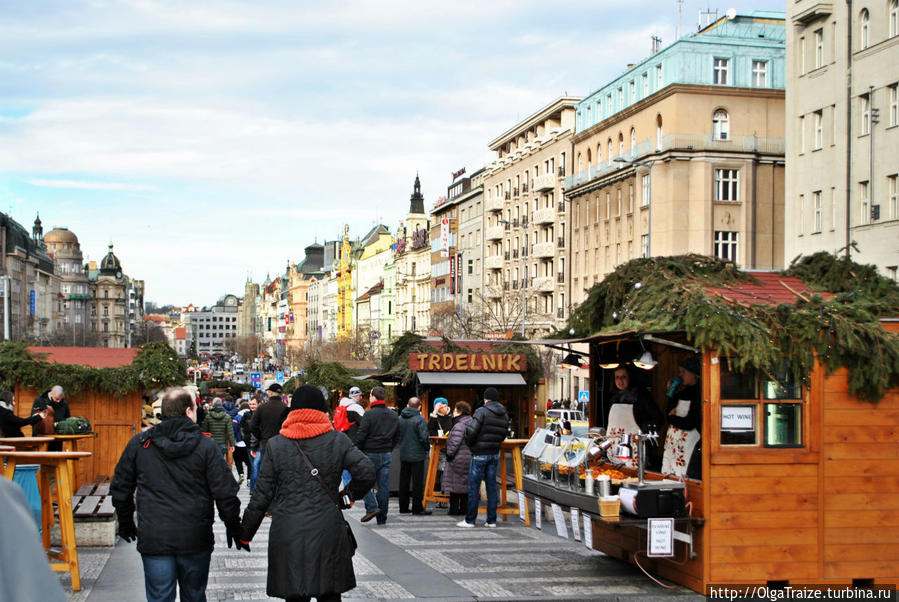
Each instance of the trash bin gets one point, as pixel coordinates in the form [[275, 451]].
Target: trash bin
[[26, 478]]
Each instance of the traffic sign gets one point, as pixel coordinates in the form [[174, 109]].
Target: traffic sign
[[279, 376], [256, 379], [375, 334], [583, 396]]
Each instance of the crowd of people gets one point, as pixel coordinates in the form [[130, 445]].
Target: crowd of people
[[305, 465]]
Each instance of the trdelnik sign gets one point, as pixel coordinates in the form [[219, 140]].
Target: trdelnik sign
[[468, 362]]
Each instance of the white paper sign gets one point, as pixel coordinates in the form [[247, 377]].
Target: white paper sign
[[588, 532], [576, 523], [660, 538], [737, 418], [538, 513], [559, 519], [522, 506], [683, 408]]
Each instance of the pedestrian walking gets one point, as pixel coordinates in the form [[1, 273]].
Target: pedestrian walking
[[458, 461], [267, 420], [218, 425], [248, 437], [484, 435], [241, 453], [378, 435], [414, 446], [10, 424], [309, 547], [178, 474]]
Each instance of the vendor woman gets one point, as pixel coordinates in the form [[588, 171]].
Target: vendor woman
[[684, 421], [633, 411]]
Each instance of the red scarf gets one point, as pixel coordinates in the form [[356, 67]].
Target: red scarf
[[378, 402], [305, 424]]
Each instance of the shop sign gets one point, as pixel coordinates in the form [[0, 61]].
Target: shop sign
[[737, 418], [444, 237], [459, 273], [467, 362], [452, 276], [498, 336], [660, 538]]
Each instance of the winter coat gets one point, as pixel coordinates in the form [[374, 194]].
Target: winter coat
[[488, 429], [231, 409], [60, 408], [11, 425], [379, 431], [267, 420], [308, 553], [458, 458], [178, 473], [218, 424], [442, 422], [246, 422], [414, 442]]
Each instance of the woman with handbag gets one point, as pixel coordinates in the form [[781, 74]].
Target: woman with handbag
[[310, 545]]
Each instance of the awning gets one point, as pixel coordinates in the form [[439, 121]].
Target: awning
[[472, 379]]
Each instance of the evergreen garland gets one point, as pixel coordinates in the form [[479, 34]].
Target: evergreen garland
[[667, 293], [156, 365], [330, 375]]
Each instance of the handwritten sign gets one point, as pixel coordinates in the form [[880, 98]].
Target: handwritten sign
[[737, 418], [538, 513], [559, 520], [660, 539], [522, 506], [588, 532], [576, 523]]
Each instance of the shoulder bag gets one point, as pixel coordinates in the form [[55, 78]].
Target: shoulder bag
[[314, 472]]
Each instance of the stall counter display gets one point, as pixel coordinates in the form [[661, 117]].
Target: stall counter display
[[567, 469], [550, 455], [532, 451]]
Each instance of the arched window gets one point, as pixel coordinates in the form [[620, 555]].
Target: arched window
[[863, 25], [599, 153], [720, 125], [609, 149], [633, 142], [659, 132], [620, 144], [589, 156], [894, 18], [580, 162]]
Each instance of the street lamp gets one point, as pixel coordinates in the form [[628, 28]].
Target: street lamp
[[524, 282], [648, 165]]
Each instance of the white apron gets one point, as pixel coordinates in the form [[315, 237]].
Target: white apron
[[621, 421], [679, 446]]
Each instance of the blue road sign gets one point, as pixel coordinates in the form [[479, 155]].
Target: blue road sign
[[583, 396], [279, 376], [32, 302], [256, 379]]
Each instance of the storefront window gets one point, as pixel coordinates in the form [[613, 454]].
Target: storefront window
[[783, 385], [736, 385], [738, 425], [783, 425]]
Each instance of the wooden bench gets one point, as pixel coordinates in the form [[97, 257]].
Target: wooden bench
[[92, 501]]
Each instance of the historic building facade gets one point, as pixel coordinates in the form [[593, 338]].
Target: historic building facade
[[413, 267]]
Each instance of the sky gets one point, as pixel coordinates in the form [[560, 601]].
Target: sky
[[212, 141]]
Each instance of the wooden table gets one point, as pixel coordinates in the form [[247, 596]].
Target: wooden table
[[27, 443], [514, 446], [57, 462], [70, 444]]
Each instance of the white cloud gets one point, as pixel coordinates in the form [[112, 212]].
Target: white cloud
[[87, 184]]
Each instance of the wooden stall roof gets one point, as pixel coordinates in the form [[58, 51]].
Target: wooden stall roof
[[771, 287], [94, 357]]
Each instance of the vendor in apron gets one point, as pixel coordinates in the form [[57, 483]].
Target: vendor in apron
[[684, 420], [633, 411]]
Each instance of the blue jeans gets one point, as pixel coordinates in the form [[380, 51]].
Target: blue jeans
[[189, 571], [483, 468], [382, 484], [254, 473]]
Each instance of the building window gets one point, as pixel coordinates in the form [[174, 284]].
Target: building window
[[719, 72], [819, 48], [894, 105], [644, 245], [658, 77], [618, 208], [891, 187], [608, 205], [645, 85], [646, 190], [632, 89], [819, 129], [863, 25], [618, 253], [801, 53], [620, 98], [727, 184], [894, 18], [658, 132], [816, 199], [726, 245], [760, 74], [633, 142], [864, 203], [720, 125], [864, 102], [630, 198]]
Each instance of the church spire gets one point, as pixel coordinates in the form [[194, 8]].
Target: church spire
[[37, 232], [417, 201]]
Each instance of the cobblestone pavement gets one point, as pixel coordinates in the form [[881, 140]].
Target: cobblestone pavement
[[411, 557]]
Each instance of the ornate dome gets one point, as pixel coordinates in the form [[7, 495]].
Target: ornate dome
[[60, 235], [110, 264]]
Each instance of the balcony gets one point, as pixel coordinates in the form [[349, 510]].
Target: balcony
[[543, 284], [494, 292], [514, 193], [494, 262], [561, 242], [547, 215], [524, 221], [494, 204], [562, 171], [545, 182], [494, 233], [561, 277], [515, 254], [506, 285], [515, 223], [507, 225], [506, 256], [560, 313], [508, 196], [544, 249], [524, 187]]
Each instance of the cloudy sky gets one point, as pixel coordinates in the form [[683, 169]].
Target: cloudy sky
[[212, 140]]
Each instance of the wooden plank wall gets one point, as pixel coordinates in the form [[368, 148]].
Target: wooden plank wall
[[114, 420], [861, 485]]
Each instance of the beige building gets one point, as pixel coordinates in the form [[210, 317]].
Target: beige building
[[683, 153], [413, 268], [842, 142], [109, 305], [525, 223]]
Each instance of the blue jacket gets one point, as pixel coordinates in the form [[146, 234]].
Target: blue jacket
[[414, 442]]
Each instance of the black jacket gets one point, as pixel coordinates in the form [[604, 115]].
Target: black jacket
[[11, 425], [308, 554], [178, 473], [488, 429], [245, 431], [60, 408], [693, 419], [267, 420], [379, 431], [440, 422]]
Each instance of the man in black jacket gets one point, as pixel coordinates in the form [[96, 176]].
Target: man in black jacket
[[484, 435], [378, 434], [267, 421], [178, 473]]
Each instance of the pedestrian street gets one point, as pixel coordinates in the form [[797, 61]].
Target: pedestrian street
[[411, 557]]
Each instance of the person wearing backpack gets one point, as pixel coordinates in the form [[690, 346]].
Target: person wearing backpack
[[218, 424], [347, 417], [241, 452]]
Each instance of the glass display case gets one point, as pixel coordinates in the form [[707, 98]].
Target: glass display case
[[571, 460], [531, 452], [550, 454]]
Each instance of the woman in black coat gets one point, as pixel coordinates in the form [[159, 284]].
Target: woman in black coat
[[10, 424], [309, 553], [458, 455]]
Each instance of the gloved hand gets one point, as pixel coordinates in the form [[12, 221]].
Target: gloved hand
[[127, 528], [232, 535]]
